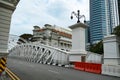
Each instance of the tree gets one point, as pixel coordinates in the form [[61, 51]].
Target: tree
[[117, 30], [97, 48], [27, 37]]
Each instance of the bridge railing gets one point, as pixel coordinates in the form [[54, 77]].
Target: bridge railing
[[40, 53], [94, 58], [113, 70]]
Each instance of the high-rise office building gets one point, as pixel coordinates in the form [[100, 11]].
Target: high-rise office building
[[112, 15], [104, 17], [119, 9], [97, 20], [87, 35], [87, 32]]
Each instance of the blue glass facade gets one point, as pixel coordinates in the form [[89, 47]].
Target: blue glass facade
[[87, 32], [112, 14], [119, 9], [97, 20], [104, 17]]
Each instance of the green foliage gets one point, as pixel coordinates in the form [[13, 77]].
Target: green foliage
[[97, 48], [117, 31], [27, 37]]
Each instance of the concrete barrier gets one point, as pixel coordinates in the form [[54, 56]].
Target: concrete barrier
[[88, 67]]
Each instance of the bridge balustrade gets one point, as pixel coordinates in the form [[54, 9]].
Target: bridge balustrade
[[40, 53]]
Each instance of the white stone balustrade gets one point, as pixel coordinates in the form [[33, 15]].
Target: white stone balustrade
[[113, 70], [94, 58]]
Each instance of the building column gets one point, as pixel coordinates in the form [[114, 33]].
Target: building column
[[6, 9], [111, 50], [78, 42]]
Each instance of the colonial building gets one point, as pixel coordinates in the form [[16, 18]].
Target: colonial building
[[53, 36]]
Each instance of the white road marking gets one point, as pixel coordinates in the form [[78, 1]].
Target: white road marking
[[54, 71]]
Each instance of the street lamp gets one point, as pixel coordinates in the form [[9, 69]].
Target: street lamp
[[78, 16]]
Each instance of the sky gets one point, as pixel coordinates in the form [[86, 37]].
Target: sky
[[29, 13]]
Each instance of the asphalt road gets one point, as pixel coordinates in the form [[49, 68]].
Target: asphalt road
[[34, 71]]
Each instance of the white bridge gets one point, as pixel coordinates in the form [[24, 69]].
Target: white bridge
[[39, 53]]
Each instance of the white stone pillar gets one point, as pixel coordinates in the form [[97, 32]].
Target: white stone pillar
[[111, 64], [6, 9], [78, 42], [111, 50]]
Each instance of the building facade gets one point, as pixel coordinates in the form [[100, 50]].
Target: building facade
[[103, 18], [97, 20], [112, 15], [87, 35], [119, 10], [87, 32], [53, 36]]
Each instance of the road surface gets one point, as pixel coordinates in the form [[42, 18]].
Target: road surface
[[36, 71]]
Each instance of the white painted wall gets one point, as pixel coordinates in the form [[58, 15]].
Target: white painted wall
[[75, 57]]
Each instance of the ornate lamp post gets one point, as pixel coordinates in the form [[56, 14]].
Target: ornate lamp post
[[78, 16]]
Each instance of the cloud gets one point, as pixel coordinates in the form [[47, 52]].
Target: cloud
[[40, 12]]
